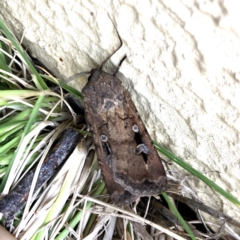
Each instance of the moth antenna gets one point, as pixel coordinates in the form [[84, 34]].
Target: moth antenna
[[119, 65], [89, 72], [114, 50]]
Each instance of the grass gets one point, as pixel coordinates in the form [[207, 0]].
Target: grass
[[32, 118]]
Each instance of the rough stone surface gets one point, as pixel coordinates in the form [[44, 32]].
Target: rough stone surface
[[182, 69]]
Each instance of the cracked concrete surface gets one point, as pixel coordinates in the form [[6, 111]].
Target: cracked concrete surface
[[182, 69]]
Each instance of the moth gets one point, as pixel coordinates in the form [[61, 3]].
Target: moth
[[130, 164]]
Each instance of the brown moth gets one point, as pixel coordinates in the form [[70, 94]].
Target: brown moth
[[130, 164]]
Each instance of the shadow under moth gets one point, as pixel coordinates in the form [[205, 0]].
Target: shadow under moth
[[130, 164]]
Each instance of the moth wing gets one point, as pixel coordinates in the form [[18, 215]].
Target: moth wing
[[96, 118], [136, 164]]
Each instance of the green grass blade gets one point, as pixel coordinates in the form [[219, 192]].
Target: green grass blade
[[11, 131], [33, 115], [10, 94], [8, 146], [197, 174], [178, 215], [9, 126], [20, 117], [3, 58]]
